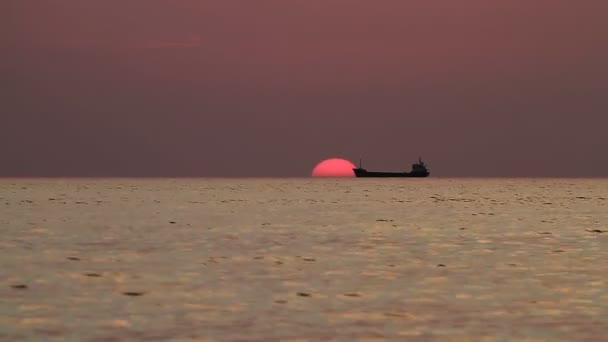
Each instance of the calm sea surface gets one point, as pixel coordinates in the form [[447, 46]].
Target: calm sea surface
[[304, 259]]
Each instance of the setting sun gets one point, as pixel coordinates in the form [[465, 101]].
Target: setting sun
[[334, 167]]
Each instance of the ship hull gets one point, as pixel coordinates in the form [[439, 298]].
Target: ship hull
[[364, 173]]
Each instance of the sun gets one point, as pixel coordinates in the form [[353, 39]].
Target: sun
[[334, 167]]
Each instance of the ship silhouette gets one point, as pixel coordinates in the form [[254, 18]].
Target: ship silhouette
[[419, 169]]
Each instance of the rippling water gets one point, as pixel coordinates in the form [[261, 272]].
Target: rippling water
[[309, 259]]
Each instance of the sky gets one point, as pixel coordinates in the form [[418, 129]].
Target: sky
[[172, 88]]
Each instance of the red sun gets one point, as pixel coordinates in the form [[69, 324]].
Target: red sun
[[334, 167]]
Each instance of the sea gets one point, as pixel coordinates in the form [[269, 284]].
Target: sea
[[304, 259]]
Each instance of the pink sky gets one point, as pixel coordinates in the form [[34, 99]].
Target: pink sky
[[256, 88]]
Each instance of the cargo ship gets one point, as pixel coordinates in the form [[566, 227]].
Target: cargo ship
[[419, 169]]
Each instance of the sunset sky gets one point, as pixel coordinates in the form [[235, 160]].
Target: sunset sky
[[271, 87]]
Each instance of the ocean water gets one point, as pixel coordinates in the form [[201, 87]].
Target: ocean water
[[304, 259]]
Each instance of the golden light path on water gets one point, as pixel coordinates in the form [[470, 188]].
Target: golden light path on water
[[310, 259]]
